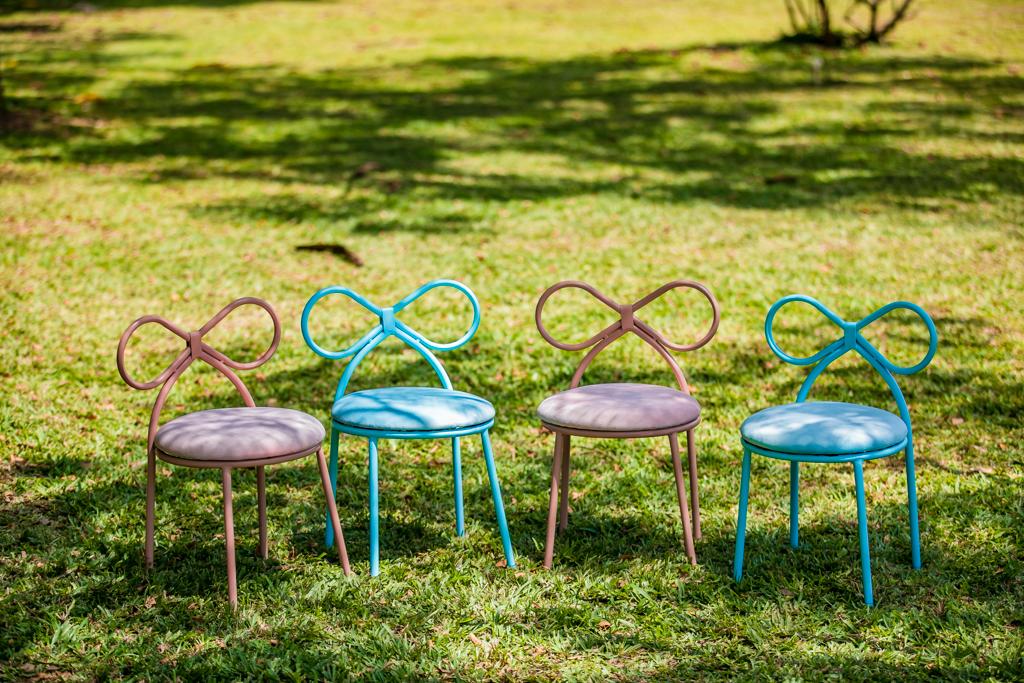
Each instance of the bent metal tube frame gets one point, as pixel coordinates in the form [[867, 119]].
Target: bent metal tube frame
[[197, 349], [627, 323]]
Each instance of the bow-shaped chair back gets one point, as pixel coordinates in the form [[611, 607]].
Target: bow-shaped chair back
[[853, 340], [195, 349], [389, 325], [628, 322]]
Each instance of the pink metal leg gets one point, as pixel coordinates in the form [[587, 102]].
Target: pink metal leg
[[684, 515], [229, 537], [556, 462], [563, 516], [150, 508], [261, 493], [332, 508], [691, 450]]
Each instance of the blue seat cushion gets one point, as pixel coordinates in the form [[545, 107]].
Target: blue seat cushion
[[824, 428], [411, 409]]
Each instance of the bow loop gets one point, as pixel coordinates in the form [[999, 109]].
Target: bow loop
[[589, 289], [680, 284], [182, 357], [769, 333], [933, 337], [195, 347], [423, 339], [359, 299], [851, 338], [205, 349], [628, 320]]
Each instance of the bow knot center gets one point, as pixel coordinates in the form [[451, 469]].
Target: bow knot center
[[387, 319], [850, 335], [195, 344], [626, 314]]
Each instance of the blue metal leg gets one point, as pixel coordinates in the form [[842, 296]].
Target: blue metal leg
[[862, 525], [499, 507], [332, 468], [915, 533], [741, 522], [374, 510], [794, 504], [460, 522]]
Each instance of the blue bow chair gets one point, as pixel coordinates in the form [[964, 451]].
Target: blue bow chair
[[407, 412], [832, 432]]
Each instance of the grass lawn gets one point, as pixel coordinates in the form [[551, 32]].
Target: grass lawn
[[168, 156]]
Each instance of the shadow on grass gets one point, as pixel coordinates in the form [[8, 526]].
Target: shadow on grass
[[610, 532], [11, 6], [704, 124]]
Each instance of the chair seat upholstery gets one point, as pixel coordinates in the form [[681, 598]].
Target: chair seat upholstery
[[824, 428], [240, 434], [411, 409], [620, 407]]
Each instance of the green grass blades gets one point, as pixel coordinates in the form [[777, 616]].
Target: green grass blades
[[168, 157]]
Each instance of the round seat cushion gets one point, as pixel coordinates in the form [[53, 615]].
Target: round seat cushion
[[620, 407], [411, 409], [240, 434], [824, 428]]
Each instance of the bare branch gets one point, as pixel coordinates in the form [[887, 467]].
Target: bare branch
[[792, 16], [897, 16]]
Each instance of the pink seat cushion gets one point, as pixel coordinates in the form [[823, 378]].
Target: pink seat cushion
[[619, 407], [240, 434]]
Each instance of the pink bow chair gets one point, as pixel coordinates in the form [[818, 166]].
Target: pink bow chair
[[623, 410], [226, 438]]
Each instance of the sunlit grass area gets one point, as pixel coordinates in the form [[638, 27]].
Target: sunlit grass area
[[168, 157]]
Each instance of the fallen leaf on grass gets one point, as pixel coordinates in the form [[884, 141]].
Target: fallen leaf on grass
[[85, 98], [365, 170]]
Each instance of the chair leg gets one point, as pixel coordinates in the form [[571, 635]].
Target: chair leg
[[741, 521], [499, 507], [915, 533], [460, 522], [332, 510], [333, 471], [691, 451], [862, 527], [794, 504], [563, 512], [150, 508], [556, 463], [684, 515], [229, 537], [261, 495], [374, 510]]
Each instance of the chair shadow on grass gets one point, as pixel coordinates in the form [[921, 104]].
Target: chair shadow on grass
[[190, 556]]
